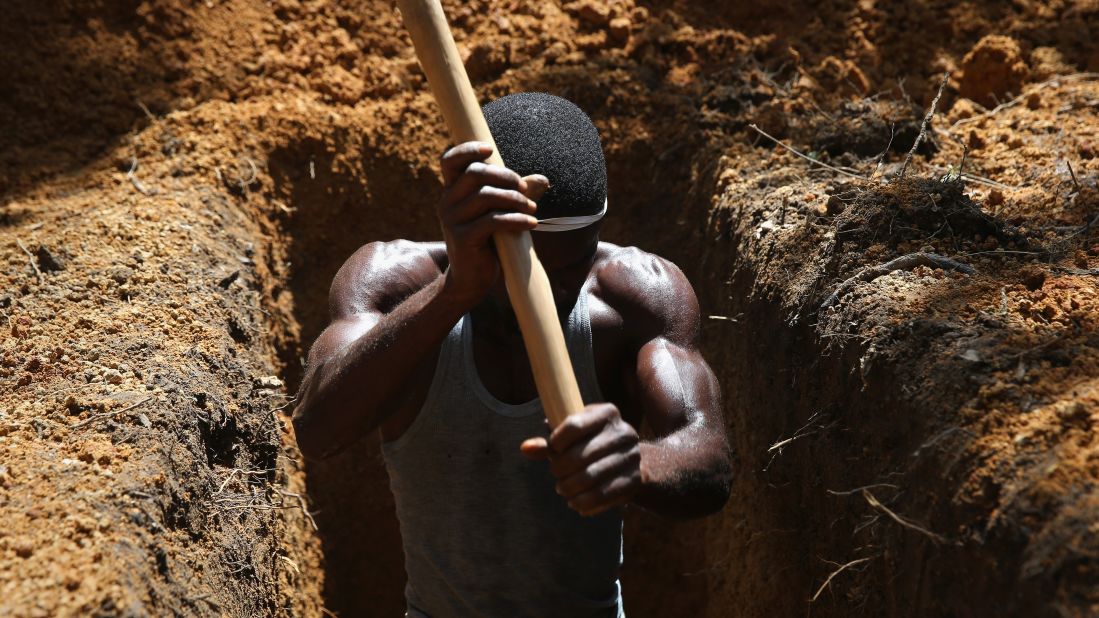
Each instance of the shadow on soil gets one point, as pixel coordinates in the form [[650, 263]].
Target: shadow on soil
[[73, 76]]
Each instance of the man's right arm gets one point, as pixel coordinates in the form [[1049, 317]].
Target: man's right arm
[[390, 308]]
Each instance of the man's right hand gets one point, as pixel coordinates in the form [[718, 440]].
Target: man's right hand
[[480, 200]]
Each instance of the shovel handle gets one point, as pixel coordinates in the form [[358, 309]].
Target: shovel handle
[[527, 284]]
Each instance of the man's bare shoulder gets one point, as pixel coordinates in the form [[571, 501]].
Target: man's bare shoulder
[[379, 275], [650, 292]]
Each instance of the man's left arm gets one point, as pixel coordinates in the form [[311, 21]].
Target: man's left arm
[[598, 458]]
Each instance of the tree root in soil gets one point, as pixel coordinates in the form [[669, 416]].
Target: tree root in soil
[[874, 502], [904, 262], [841, 569]]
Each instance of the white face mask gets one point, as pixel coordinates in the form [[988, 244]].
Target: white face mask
[[565, 224]]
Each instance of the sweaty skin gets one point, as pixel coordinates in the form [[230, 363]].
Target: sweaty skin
[[392, 305]]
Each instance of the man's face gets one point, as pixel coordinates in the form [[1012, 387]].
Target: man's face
[[566, 251], [567, 258]]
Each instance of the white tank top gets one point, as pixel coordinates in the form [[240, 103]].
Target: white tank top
[[484, 532]]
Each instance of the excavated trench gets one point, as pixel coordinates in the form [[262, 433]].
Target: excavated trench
[[332, 211]]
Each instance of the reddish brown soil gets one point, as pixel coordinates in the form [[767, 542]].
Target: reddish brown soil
[[180, 257]]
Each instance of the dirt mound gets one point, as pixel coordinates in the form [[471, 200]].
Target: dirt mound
[[179, 183]]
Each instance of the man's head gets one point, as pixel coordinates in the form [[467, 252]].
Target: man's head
[[539, 133]]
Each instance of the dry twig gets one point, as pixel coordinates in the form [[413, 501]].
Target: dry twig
[[937, 538], [805, 156], [1072, 172], [112, 413], [923, 126]]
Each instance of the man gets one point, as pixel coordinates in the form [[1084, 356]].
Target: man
[[423, 346]]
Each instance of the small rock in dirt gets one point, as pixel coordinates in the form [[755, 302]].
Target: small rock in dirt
[[48, 261], [620, 29], [995, 197], [597, 13], [764, 228], [835, 205], [228, 280], [112, 376], [268, 382], [971, 355], [23, 547]]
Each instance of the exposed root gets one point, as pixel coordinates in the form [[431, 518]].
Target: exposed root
[[904, 262], [140, 186], [841, 569], [30, 258], [257, 500], [860, 489], [803, 431], [937, 538]]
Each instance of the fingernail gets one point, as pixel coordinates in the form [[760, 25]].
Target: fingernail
[[532, 221]]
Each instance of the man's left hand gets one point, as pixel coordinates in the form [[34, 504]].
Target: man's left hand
[[596, 457]]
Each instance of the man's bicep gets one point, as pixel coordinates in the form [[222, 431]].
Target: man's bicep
[[340, 334], [676, 387]]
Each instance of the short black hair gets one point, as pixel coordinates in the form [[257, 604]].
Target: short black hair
[[538, 133]]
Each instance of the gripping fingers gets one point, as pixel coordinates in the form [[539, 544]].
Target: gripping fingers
[[587, 451], [457, 159], [577, 426], [615, 493], [482, 228], [486, 200], [479, 175], [591, 476]]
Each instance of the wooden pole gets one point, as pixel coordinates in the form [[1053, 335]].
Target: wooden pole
[[527, 284]]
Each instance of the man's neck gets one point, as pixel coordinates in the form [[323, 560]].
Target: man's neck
[[494, 317]]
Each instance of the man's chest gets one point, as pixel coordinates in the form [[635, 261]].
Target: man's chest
[[599, 346]]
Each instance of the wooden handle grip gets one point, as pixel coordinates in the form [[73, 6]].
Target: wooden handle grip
[[527, 284]]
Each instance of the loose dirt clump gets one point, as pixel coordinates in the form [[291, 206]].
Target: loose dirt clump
[[993, 71]]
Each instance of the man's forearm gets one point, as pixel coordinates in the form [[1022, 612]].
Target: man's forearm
[[352, 391], [684, 475]]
